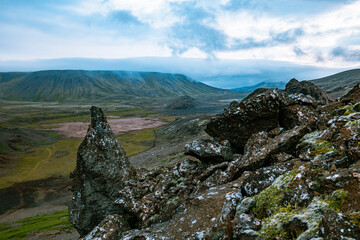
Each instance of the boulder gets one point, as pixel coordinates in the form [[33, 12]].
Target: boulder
[[102, 167], [255, 181], [352, 96], [264, 112], [208, 150], [308, 88], [260, 149]]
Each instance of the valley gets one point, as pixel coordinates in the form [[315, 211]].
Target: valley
[[39, 142], [40, 136]]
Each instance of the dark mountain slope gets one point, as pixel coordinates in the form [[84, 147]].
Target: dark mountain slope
[[339, 84], [77, 84]]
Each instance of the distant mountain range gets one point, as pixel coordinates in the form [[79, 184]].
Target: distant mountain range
[[339, 84], [59, 85], [336, 85], [249, 89]]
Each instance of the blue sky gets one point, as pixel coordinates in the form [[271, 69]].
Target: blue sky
[[322, 33]]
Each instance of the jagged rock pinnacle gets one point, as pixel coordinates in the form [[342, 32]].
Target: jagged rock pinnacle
[[102, 167]]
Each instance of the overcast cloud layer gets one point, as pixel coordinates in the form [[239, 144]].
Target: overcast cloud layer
[[322, 32]]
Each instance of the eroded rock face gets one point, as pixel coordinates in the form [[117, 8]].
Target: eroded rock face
[[264, 112], [261, 149], [101, 170], [308, 88]]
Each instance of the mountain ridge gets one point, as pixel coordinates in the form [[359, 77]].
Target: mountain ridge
[[61, 85], [338, 84]]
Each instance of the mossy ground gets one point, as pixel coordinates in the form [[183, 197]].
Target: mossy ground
[[18, 230]]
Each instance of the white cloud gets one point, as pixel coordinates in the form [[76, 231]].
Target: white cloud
[[82, 34]]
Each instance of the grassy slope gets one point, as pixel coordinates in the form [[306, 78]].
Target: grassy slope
[[18, 230]]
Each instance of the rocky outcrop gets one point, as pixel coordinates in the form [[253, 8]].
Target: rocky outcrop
[[102, 167], [293, 180], [264, 112], [352, 96], [308, 88]]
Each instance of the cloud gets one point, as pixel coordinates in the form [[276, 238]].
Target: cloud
[[346, 54], [302, 31], [194, 30], [124, 16], [298, 51]]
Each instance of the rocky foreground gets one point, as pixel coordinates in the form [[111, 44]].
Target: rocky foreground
[[278, 165]]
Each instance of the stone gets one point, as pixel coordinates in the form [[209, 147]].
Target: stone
[[264, 112], [308, 88], [260, 148], [233, 104], [352, 96], [110, 228], [256, 181], [208, 150], [246, 226], [336, 226], [239, 123], [102, 167]]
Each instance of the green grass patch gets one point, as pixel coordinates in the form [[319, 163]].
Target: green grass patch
[[135, 142], [336, 199], [19, 230], [43, 162]]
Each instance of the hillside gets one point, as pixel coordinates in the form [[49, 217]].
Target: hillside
[[65, 85], [339, 84], [249, 89]]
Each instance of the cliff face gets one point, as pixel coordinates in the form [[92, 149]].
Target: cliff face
[[277, 166]]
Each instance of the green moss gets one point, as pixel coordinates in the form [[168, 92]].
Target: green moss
[[19, 230], [321, 147], [268, 201], [273, 226], [354, 217], [336, 199], [173, 201], [355, 123]]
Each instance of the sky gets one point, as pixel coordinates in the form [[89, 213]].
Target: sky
[[316, 33]]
